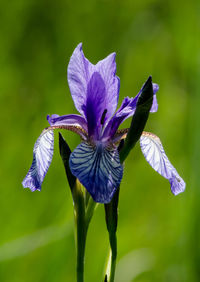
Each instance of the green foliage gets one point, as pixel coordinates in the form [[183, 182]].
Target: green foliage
[[158, 233]]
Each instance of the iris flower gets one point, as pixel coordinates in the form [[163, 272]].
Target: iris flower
[[95, 161]]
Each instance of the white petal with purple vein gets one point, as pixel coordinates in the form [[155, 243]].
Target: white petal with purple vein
[[155, 155], [98, 169], [42, 157]]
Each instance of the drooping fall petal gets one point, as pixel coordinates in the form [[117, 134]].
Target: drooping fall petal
[[155, 155], [42, 157], [98, 169]]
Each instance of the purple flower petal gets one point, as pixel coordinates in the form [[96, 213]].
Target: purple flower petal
[[98, 169], [95, 104], [126, 110], [75, 120], [107, 70], [154, 107], [74, 123], [79, 73], [155, 155], [42, 157]]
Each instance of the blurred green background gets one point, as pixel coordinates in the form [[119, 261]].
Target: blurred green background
[[158, 234]]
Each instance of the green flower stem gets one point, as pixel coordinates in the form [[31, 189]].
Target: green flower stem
[[108, 267], [84, 207], [111, 213], [90, 211], [138, 123], [79, 210], [83, 216], [112, 257], [111, 265]]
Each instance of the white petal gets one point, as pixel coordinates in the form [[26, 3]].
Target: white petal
[[155, 155], [42, 157]]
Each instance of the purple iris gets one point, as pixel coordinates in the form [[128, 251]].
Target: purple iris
[[95, 161]]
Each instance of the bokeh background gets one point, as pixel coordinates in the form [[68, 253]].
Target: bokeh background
[[158, 234]]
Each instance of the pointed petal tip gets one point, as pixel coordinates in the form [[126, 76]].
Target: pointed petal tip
[[113, 56], [79, 47]]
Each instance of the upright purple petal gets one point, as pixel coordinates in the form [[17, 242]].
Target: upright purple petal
[[98, 169], [42, 157], [155, 155], [107, 70], [79, 73], [95, 104]]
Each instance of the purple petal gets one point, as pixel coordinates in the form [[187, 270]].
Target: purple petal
[[98, 169], [107, 70], [95, 103], [127, 110], [155, 155], [74, 123], [75, 120], [154, 106], [42, 157], [79, 73]]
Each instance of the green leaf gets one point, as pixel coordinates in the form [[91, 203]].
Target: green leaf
[[65, 154], [111, 213]]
